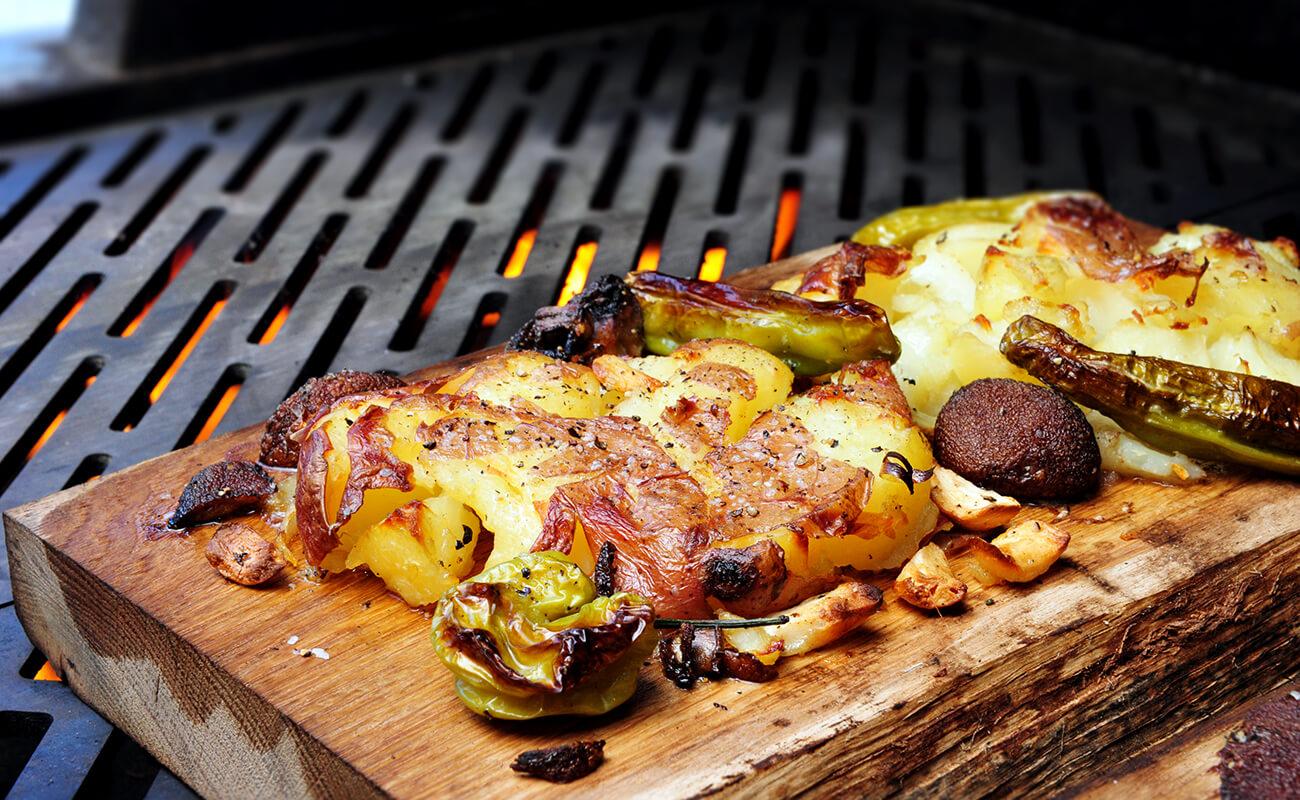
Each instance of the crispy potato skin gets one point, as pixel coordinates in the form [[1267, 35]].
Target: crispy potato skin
[[278, 448]]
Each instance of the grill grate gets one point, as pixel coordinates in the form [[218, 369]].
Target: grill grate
[[165, 280]]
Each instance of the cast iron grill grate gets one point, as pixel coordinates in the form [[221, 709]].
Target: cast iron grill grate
[[172, 278]]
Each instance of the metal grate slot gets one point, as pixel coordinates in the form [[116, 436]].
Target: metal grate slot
[[400, 223], [214, 407], [58, 319], [138, 153], [33, 196], [383, 148], [253, 161], [20, 734], [273, 319], [435, 280], [322, 355], [48, 420], [269, 224], [42, 257], [135, 311], [160, 377]]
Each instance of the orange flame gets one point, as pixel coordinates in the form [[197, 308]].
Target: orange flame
[[519, 257], [53, 426], [715, 258], [648, 261], [179, 258], [46, 673], [161, 385], [76, 306], [269, 334], [490, 320], [577, 277], [787, 216], [218, 413]]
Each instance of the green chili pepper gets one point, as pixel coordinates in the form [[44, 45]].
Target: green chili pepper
[[812, 337], [906, 226], [530, 638], [1206, 413]]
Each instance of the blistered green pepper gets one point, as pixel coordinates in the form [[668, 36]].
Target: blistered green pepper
[[530, 638], [1205, 413], [906, 226], [812, 337]]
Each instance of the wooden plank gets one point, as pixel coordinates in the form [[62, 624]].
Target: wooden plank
[[1170, 603], [1186, 766]]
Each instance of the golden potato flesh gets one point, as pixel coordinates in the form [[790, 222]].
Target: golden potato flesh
[[965, 283], [705, 448], [420, 550]]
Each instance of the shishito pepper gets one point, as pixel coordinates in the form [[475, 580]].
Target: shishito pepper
[[530, 638], [906, 226], [812, 337], [1205, 413]]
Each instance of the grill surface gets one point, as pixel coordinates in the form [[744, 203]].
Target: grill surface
[[173, 278]]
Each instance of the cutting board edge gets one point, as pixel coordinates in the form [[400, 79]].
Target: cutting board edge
[[111, 687]]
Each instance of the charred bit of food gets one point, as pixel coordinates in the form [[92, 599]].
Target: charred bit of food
[[1205, 413], [242, 556], [1019, 554], [839, 275], [927, 580], [606, 571], [691, 653], [220, 490], [812, 337], [1018, 439], [563, 763], [604, 320], [968, 505], [316, 395]]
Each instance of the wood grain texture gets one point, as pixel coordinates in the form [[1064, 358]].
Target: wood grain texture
[[1170, 604]]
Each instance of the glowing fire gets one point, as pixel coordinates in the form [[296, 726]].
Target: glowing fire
[[490, 320], [268, 335], [182, 255], [648, 261], [715, 258], [519, 257], [46, 673], [218, 413], [161, 385], [577, 277], [787, 215], [76, 306], [53, 426]]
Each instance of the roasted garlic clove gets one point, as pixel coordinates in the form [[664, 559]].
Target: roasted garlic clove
[[968, 505], [927, 580], [242, 556], [1019, 554]]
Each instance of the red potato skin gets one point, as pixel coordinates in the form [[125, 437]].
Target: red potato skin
[[318, 538]]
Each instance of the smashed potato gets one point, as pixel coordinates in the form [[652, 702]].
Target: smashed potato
[[667, 458], [1115, 284]]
